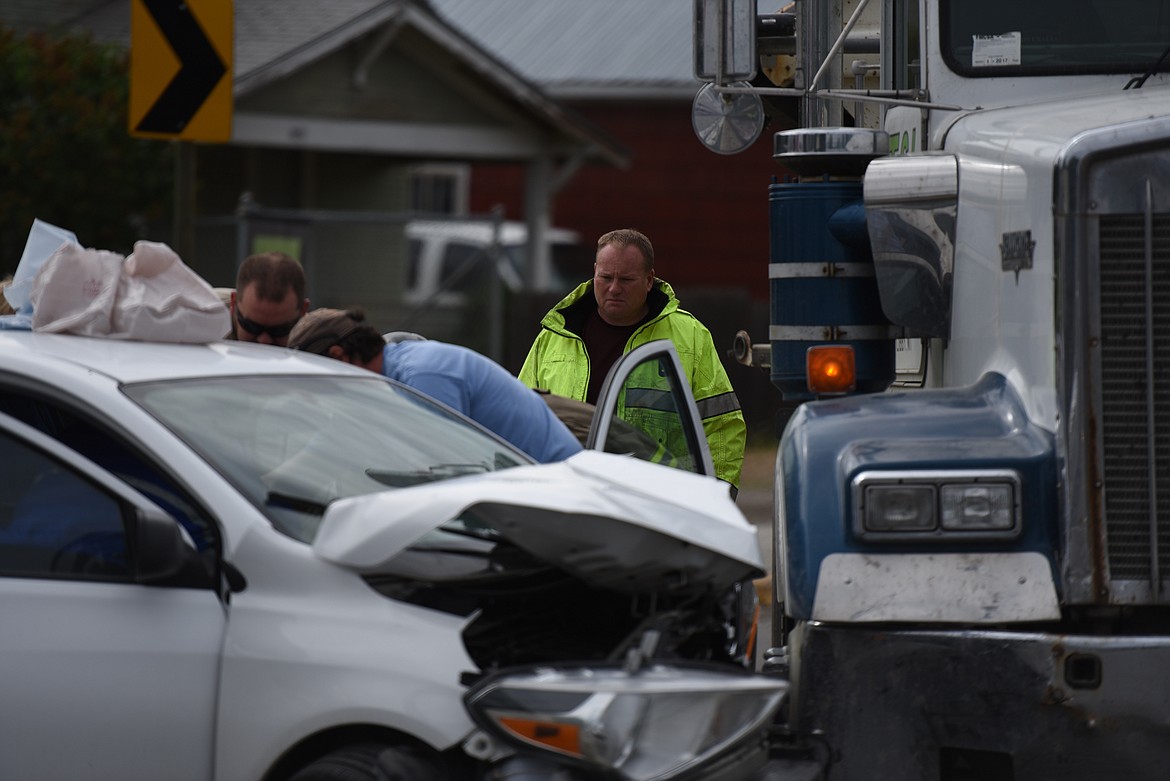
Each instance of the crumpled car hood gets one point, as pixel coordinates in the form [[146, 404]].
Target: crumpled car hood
[[614, 521]]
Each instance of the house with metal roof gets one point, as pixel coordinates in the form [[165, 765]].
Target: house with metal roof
[[339, 110]]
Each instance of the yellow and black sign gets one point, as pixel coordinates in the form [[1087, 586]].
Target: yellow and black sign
[[181, 69]]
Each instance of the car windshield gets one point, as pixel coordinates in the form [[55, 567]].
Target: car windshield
[[293, 444], [1009, 37]]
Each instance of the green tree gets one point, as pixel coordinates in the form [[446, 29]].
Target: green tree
[[66, 155]]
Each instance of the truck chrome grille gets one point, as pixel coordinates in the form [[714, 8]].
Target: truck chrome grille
[[1135, 390]]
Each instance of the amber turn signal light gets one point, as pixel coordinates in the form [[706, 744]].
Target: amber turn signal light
[[556, 736], [831, 369]]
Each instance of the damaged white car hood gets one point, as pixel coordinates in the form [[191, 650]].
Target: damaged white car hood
[[612, 520]]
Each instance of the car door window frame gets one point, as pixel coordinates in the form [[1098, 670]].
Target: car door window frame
[[131, 506], [93, 417], [663, 352]]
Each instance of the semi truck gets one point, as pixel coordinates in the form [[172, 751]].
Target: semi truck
[[969, 270]]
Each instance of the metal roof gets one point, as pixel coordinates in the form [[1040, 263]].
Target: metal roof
[[586, 48]]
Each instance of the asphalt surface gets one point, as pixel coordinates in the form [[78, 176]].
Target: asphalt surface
[[755, 502]]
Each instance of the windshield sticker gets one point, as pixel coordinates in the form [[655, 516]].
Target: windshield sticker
[[993, 50]]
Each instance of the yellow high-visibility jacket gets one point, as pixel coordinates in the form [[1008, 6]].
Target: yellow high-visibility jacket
[[558, 363]]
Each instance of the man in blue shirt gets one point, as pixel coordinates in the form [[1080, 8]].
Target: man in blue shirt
[[461, 378]]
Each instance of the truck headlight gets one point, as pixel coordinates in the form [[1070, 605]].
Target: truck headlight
[[900, 507], [944, 505], [653, 723], [986, 506]]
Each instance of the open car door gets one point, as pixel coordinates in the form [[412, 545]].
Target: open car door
[[646, 409]]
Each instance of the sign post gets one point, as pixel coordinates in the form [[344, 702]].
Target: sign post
[[180, 69]]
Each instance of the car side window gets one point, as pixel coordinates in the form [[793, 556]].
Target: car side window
[[54, 522], [647, 406], [645, 409], [117, 457]]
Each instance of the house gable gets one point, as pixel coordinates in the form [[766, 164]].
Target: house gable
[[408, 97]]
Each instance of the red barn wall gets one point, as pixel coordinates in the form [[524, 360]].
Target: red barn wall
[[707, 214]]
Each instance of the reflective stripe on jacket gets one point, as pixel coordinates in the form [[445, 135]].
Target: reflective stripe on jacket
[[558, 363]]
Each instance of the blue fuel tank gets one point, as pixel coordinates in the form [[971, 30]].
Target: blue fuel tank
[[823, 289]]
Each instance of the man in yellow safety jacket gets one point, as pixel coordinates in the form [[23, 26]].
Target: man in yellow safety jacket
[[622, 307]]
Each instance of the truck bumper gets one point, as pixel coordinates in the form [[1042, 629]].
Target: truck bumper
[[951, 705]]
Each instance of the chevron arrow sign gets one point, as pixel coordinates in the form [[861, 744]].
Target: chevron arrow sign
[[180, 69]]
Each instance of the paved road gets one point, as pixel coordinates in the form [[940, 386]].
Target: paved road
[[756, 505]]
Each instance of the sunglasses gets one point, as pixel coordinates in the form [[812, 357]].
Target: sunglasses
[[275, 331]]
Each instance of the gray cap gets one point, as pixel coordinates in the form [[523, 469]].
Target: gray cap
[[322, 328]]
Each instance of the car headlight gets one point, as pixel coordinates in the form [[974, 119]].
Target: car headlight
[[743, 611], [978, 504], [653, 723]]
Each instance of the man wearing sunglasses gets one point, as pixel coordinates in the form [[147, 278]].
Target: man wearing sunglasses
[[269, 298]]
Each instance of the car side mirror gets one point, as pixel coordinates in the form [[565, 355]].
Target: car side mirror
[[160, 552]]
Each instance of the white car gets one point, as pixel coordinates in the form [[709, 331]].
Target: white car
[[230, 561]]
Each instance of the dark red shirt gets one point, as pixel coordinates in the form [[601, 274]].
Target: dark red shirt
[[605, 344]]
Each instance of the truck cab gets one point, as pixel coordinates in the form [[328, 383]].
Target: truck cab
[[970, 274]]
